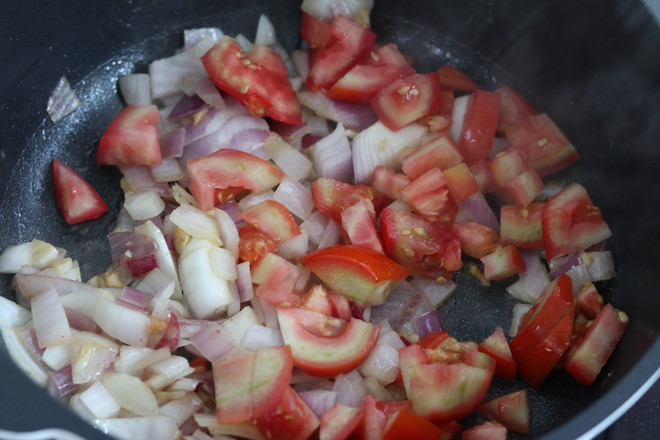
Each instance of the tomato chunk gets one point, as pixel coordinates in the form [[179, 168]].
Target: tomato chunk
[[315, 31], [511, 410], [485, 431], [479, 126], [477, 240], [293, 419], [515, 109], [497, 347], [273, 218], [331, 196], [339, 422], [503, 263], [440, 152], [406, 424], [521, 226], [429, 195], [77, 199], [131, 139], [452, 77]]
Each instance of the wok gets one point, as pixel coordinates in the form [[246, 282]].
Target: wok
[[592, 65]]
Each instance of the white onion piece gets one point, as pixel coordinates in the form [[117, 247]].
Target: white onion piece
[[244, 281], [315, 226], [258, 336], [436, 293], [35, 253], [327, 10], [244, 42], [63, 268], [156, 282], [265, 32], [184, 384], [91, 354], [381, 364], [294, 248], [129, 357], [181, 410], [331, 236], [205, 89], [165, 372], [56, 356], [164, 257], [295, 196], [378, 145], [136, 89], [97, 402], [196, 223], [457, 117], [143, 205], [138, 179], [247, 430], [228, 231], [532, 281], [236, 326], [211, 342], [131, 393], [131, 428], [300, 59], [191, 37], [519, 309], [356, 117], [350, 391], [50, 323], [12, 315], [332, 156], [579, 275], [167, 74], [288, 159], [127, 325], [205, 272], [599, 265], [254, 199], [319, 401], [201, 435], [62, 101], [169, 170], [476, 208]]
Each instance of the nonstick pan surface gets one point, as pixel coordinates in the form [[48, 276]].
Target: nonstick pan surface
[[591, 65]]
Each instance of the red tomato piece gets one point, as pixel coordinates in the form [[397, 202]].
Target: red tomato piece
[[405, 424], [525, 187], [479, 126], [363, 82], [229, 170], [429, 196], [442, 384], [407, 100], [253, 244], [389, 54], [461, 182], [497, 347], [511, 410], [441, 152], [256, 78], [339, 422], [514, 108], [323, 346], [357, 272], [272, 218], [317, 300], [426, 249], [521, 226], [372, 424], [388, 182], [542, 145], [457, 80], [357, 221], [352, 44], [505, 166], [433, 340], [77, 199], [502, 263], [485, 431], [477, 240], [292, 420], [589, 301], [481, 172], [587, 357], [315, 31], [275, 278], [131, 139], [571, 222], [331, 196]]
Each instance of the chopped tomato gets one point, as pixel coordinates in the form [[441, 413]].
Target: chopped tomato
[[362, 82], [525, 187], [479, 126], [388, 182], [275, 278], [461, 182], [514, 108], [485, 431], [228, 172], [426, 249], [511, 410], [256, 78], [131, 139], [339, 422], [587, 357], [502, 263], [77, 199], [433, 340], [589, 301], [481, 172], [440, 152], [273, 218], [315, 31], [505, 166], [390, 55], [405, 424], [357, 221], [452, 77], [331, 196], [372, 424], [351, 45], [497, 347], [571, 222], [324, 346], [292, 419], [521, 226], [253, 244], [477, 240], [430, 197], [407, 100], [542, 145], [446, 383], [360, 273]]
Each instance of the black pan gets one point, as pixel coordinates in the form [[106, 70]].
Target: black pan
[[592, 65]]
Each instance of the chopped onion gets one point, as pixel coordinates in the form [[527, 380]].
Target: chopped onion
[[435, 293], [476, 208], [400, 307], [244, 281], [24, 358], [207, 91], [163, 255], [331, 235], [191, 37], [295, 196], [244, 42], [532, 281], [599, 265], [561, 265], [228, 231], [332, 156], [127, 325], [165, 372], [265, 32], [327, 10], [169, 170], [254, 199], [579, 275], [457, 116], [315, 225], [130, 428], [180, 410], [350, 391], [300, 59], [353, 116], [129, 359], [381, 364], [131, 393], [378, 145], [136, 89], [143, 205], [294, 248], [36, 253], [288, 159], [56, 357], [167, 74], [212, 343], [50, 323], [187, 107], [258, 336], [196, 223], [319, 401], [519, 309], [96, 403], [91, 354], [247, 430], [60, 383], [62, 101], [139, 179], [429, 322]]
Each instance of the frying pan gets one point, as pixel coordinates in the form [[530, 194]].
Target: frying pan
[[592, 65]]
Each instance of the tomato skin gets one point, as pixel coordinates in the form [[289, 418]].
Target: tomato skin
[[497, 347], [131, 139], [362, 82], [511, 410], [273, 218], [315, 31], [406, 424], [426, 249], [477, 240], [292, 419], [360, 273], [479, 126], [227, 170], [77, 200], [352, 44], [407, 99], [254, 244], [571, 222], [450, 76]]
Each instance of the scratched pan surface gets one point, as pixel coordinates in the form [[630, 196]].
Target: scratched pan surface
[[592, 65]]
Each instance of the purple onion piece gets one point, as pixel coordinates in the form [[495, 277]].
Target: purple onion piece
[[429, 322]]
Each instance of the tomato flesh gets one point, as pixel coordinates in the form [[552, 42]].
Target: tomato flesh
[[131, 139], [273, 218], [511, 410], [76, 198], [497, 347], [292, 419], [479, 126]]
